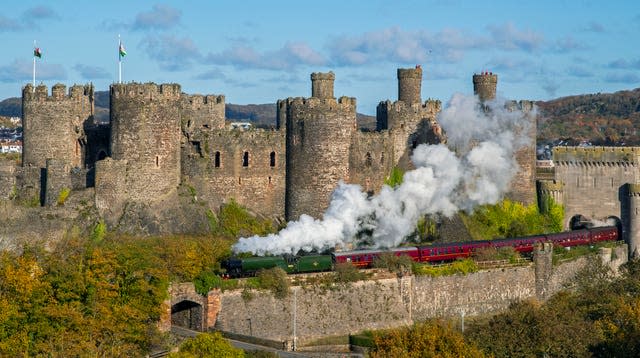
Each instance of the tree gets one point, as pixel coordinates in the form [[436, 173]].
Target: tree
[[424, 340], [207, 345]]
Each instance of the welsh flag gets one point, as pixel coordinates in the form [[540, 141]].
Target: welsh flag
[[121, 50], [37, 52]]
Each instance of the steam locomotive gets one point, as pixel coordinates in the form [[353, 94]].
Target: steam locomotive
[[441, 252]]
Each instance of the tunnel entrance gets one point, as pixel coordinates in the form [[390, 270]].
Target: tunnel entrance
[[187, 314]]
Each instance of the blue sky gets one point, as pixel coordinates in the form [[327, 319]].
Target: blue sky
[[539, 49]]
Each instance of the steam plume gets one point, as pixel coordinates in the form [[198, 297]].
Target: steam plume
[[475, 170]]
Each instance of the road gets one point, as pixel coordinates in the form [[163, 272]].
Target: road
[[283, 354]]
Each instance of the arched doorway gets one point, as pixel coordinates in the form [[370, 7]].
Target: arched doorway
[[187, 314]]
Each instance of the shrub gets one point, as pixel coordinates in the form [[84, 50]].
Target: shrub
[[346, 272], [274, 280], [62, 197], [397, 264], [457, 267]]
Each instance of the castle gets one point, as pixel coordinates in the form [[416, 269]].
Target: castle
[[162, 145]]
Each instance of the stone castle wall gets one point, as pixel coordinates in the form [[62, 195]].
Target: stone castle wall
[[316, 313], [371, 155], [248, 166], [593, 179]]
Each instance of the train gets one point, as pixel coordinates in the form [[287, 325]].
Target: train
[[435, 253]]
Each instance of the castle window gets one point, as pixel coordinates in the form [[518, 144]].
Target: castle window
[[367, 159], [245, 159], [157, 161], [414, 144], [382, 158], [216, 160], [269, 180], [272, 160]]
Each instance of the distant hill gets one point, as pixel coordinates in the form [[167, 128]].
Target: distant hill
[[601, 119], [11, 107]]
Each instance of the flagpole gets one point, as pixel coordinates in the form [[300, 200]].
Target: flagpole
[[119, 61], [34, 65]]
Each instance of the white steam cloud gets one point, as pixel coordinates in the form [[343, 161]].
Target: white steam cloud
[[475, 169]]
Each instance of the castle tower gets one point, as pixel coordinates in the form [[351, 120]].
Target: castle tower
[[410, 121], [410, 85], [54, 125], [484, 85], [145, 131], [549, 190], [322, 85], [319, 134], [633, 235]]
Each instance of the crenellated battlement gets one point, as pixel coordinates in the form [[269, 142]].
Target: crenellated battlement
[[342, 103], [548, 186], [198, 100], [484, 85], [58, 92], [429, 106], [596, 155], [146, 91]]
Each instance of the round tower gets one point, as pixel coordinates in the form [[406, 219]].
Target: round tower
[[319, 134], [322, 84], [54, 125], [484, 85], [633, 235], [410, 85], [550, 190], [145, 131]]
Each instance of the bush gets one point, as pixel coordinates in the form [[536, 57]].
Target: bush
[[457, 267], [345, 272], [274, 280], [62, 197], [207, 345], [397, 264]]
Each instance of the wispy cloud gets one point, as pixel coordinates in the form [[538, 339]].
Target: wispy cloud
[[91, 72], [171, 52], [569, 44], [626, 78], [624, 64], [508, 37], [21, 70], [214, 74], [8, 24], [594, 26], [396, 45], [29, 20], [292, 54], [579, 71], [160, 17]]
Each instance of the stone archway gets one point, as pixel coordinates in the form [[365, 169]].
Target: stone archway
[[188, 309], [187, 314]]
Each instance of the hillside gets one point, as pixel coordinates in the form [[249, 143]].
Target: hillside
[[602, 118]]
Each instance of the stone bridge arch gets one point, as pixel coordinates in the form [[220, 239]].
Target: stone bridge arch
[[189, 309]]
